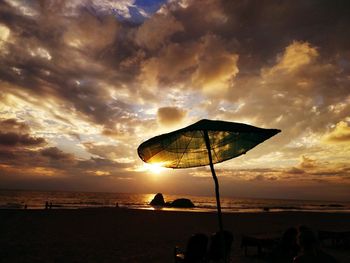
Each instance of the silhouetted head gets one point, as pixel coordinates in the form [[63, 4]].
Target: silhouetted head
[[196, 248], [306, 238]]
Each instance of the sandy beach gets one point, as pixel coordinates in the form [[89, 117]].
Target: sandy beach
[[125, 235]]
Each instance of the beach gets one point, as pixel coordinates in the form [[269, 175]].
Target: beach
[[130, 235]]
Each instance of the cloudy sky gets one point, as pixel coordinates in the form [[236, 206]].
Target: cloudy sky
[[83, 83]]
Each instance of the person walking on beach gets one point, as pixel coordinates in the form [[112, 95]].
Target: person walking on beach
[[310, 251]]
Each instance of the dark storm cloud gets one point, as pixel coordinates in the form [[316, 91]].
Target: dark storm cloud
[[259, 28], [14, 139], [55, 154], [155, 32], [263, 27], [13, 125], [15, 133]]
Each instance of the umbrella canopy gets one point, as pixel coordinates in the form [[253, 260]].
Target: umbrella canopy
[[187, 147], [205, 142]]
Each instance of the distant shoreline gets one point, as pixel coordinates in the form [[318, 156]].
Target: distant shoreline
[[14, 199], [173, 210], [170, 194]]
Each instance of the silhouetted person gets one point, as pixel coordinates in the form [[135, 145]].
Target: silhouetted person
[[116, 205], [25, 206], [309, 249], [217, 251], [195, 251], [288, 248], [46, 205]]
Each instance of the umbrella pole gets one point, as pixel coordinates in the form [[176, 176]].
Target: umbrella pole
[[207, 142]]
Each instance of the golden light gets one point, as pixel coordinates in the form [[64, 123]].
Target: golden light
[[155, 168]]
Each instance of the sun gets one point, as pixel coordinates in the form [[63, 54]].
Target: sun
[[155, 168]]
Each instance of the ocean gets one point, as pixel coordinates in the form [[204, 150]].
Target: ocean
[[20, 199]]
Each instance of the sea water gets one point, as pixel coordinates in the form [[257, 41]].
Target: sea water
[[19, 199]]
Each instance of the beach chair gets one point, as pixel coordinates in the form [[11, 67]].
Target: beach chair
[[196, 250], [337, 238], [217, 252]]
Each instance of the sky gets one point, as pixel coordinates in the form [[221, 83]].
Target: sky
[[84, 83]]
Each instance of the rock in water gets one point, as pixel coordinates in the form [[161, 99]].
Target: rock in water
[[158, 200], [182, 203]]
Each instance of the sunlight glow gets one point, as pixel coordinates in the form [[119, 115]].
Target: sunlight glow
[[155, 168]]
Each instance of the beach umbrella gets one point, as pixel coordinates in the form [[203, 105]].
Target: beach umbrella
[[205, 142]]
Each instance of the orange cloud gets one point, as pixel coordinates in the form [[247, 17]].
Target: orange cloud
[[170, 115], [156, 31], [307, 163], [295, 56], [216, 67], [90, 33], [340, 134]]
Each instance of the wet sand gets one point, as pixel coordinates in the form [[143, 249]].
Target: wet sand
[[124, 235]]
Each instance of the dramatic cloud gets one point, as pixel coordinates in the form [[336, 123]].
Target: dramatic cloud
[[15, 134], [83, 83], [14, 139], [55, 154], [153, 33], [170, 115], [341, 133], [307, 163], [79, 34], [216, 66], [13, 125]]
